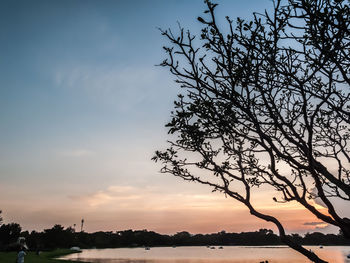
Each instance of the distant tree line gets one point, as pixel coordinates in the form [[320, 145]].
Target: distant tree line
[[60, 237]]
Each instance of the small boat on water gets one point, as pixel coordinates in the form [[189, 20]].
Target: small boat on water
[[75, 248], [212, 247], [221, 248]]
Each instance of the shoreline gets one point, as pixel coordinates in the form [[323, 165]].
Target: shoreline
[[44, 257]]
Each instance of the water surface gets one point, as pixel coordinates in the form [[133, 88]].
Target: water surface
[[229, 254]]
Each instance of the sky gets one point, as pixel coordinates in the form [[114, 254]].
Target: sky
[[82, 111]]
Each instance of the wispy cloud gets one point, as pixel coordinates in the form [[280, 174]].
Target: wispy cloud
[[124, 87], [77, 153], [111, 194], [318, 225], [150, 198]]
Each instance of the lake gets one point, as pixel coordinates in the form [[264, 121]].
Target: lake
[[228, 254]]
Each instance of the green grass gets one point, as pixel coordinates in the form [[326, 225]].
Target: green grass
[[31, 257]]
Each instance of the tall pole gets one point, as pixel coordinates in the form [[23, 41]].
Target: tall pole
[[82, 224]]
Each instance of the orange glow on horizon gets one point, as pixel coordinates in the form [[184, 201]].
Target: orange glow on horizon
[[127, 207]]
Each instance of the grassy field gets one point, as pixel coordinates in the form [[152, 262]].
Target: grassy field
[[31, 257]]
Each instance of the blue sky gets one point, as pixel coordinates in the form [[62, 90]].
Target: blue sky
[[82, 110]]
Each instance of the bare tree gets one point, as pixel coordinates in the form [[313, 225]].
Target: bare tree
[[266, 102]]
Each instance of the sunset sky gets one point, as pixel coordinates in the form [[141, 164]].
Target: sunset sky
[[82, 110]]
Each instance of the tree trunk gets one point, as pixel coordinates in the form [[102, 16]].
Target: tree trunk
[[308, 253]]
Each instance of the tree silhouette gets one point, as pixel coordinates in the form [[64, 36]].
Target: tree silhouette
[[9, 233], [266, 102]]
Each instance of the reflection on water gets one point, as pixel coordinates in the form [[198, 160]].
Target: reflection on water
[[230, 254]]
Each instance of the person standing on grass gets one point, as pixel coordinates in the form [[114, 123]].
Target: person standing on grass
[[20, 255]]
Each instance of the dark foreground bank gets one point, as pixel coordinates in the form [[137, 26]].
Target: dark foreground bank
[[32, 257]]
